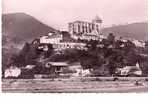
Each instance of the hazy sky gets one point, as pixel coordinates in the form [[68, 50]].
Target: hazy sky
[[57, 13]]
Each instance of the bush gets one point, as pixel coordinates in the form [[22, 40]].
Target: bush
[[146, 79], [115, 79]]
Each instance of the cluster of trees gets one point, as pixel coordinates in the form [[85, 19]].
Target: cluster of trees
[[30, 55], [146, 47], [109, 54], [103, 57]]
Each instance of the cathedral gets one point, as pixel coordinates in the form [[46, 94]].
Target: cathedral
[[85, 30]]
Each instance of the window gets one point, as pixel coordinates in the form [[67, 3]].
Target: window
[[58, 69]]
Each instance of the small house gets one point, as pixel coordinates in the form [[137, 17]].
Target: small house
[[12, 71], [56, 67], [130, 71]]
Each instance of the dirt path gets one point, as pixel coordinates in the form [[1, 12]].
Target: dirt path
[[71, 86]]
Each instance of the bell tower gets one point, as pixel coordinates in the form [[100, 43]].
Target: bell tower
[[97, 23]]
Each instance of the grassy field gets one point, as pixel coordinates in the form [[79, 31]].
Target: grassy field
[[74, 85]]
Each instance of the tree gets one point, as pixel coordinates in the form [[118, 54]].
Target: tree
[[146, 47], [19, 60], [91, 62], [92, 58], [49, 51], [31, 56], [129, 46], [115, 60], [111, 38], [27, 55], [119, 44], [25, 49], [91, 45]]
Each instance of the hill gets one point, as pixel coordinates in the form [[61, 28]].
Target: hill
[[23, 27], [18, 28], [135, 30]]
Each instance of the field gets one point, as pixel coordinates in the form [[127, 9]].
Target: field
[[101, 85]]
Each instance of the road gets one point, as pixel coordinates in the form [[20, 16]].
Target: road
[[69, 86]]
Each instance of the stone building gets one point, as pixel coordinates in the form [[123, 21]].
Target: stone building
[[69, 45], [85, 30], [58, 43], [51, 38], [78, 30]]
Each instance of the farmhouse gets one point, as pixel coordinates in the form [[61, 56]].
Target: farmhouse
[[130, 70], [57, 67]]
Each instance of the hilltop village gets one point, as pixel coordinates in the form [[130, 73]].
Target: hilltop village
[[79, 32], [83, 50], [75, 37]]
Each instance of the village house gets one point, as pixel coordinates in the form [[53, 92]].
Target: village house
[[64, 68], [12, 71], [51, 38], [58, 43], [130, 70], [69, 45], [139, 43], [57, 67]]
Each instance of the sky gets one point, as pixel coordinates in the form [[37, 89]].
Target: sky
[[57, 13]]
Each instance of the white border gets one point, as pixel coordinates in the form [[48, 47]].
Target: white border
[[64, 95]]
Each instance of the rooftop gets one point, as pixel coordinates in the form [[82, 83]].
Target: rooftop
[[58, 63]]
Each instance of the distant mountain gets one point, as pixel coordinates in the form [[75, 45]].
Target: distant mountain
[[18, 28], [135, 30], [22, 27]]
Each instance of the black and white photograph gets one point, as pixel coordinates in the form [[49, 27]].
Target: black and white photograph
[[74, 46]]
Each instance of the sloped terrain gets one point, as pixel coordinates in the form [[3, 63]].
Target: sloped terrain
[[135, 30]]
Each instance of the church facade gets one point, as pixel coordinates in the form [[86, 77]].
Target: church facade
[[85, 30]]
